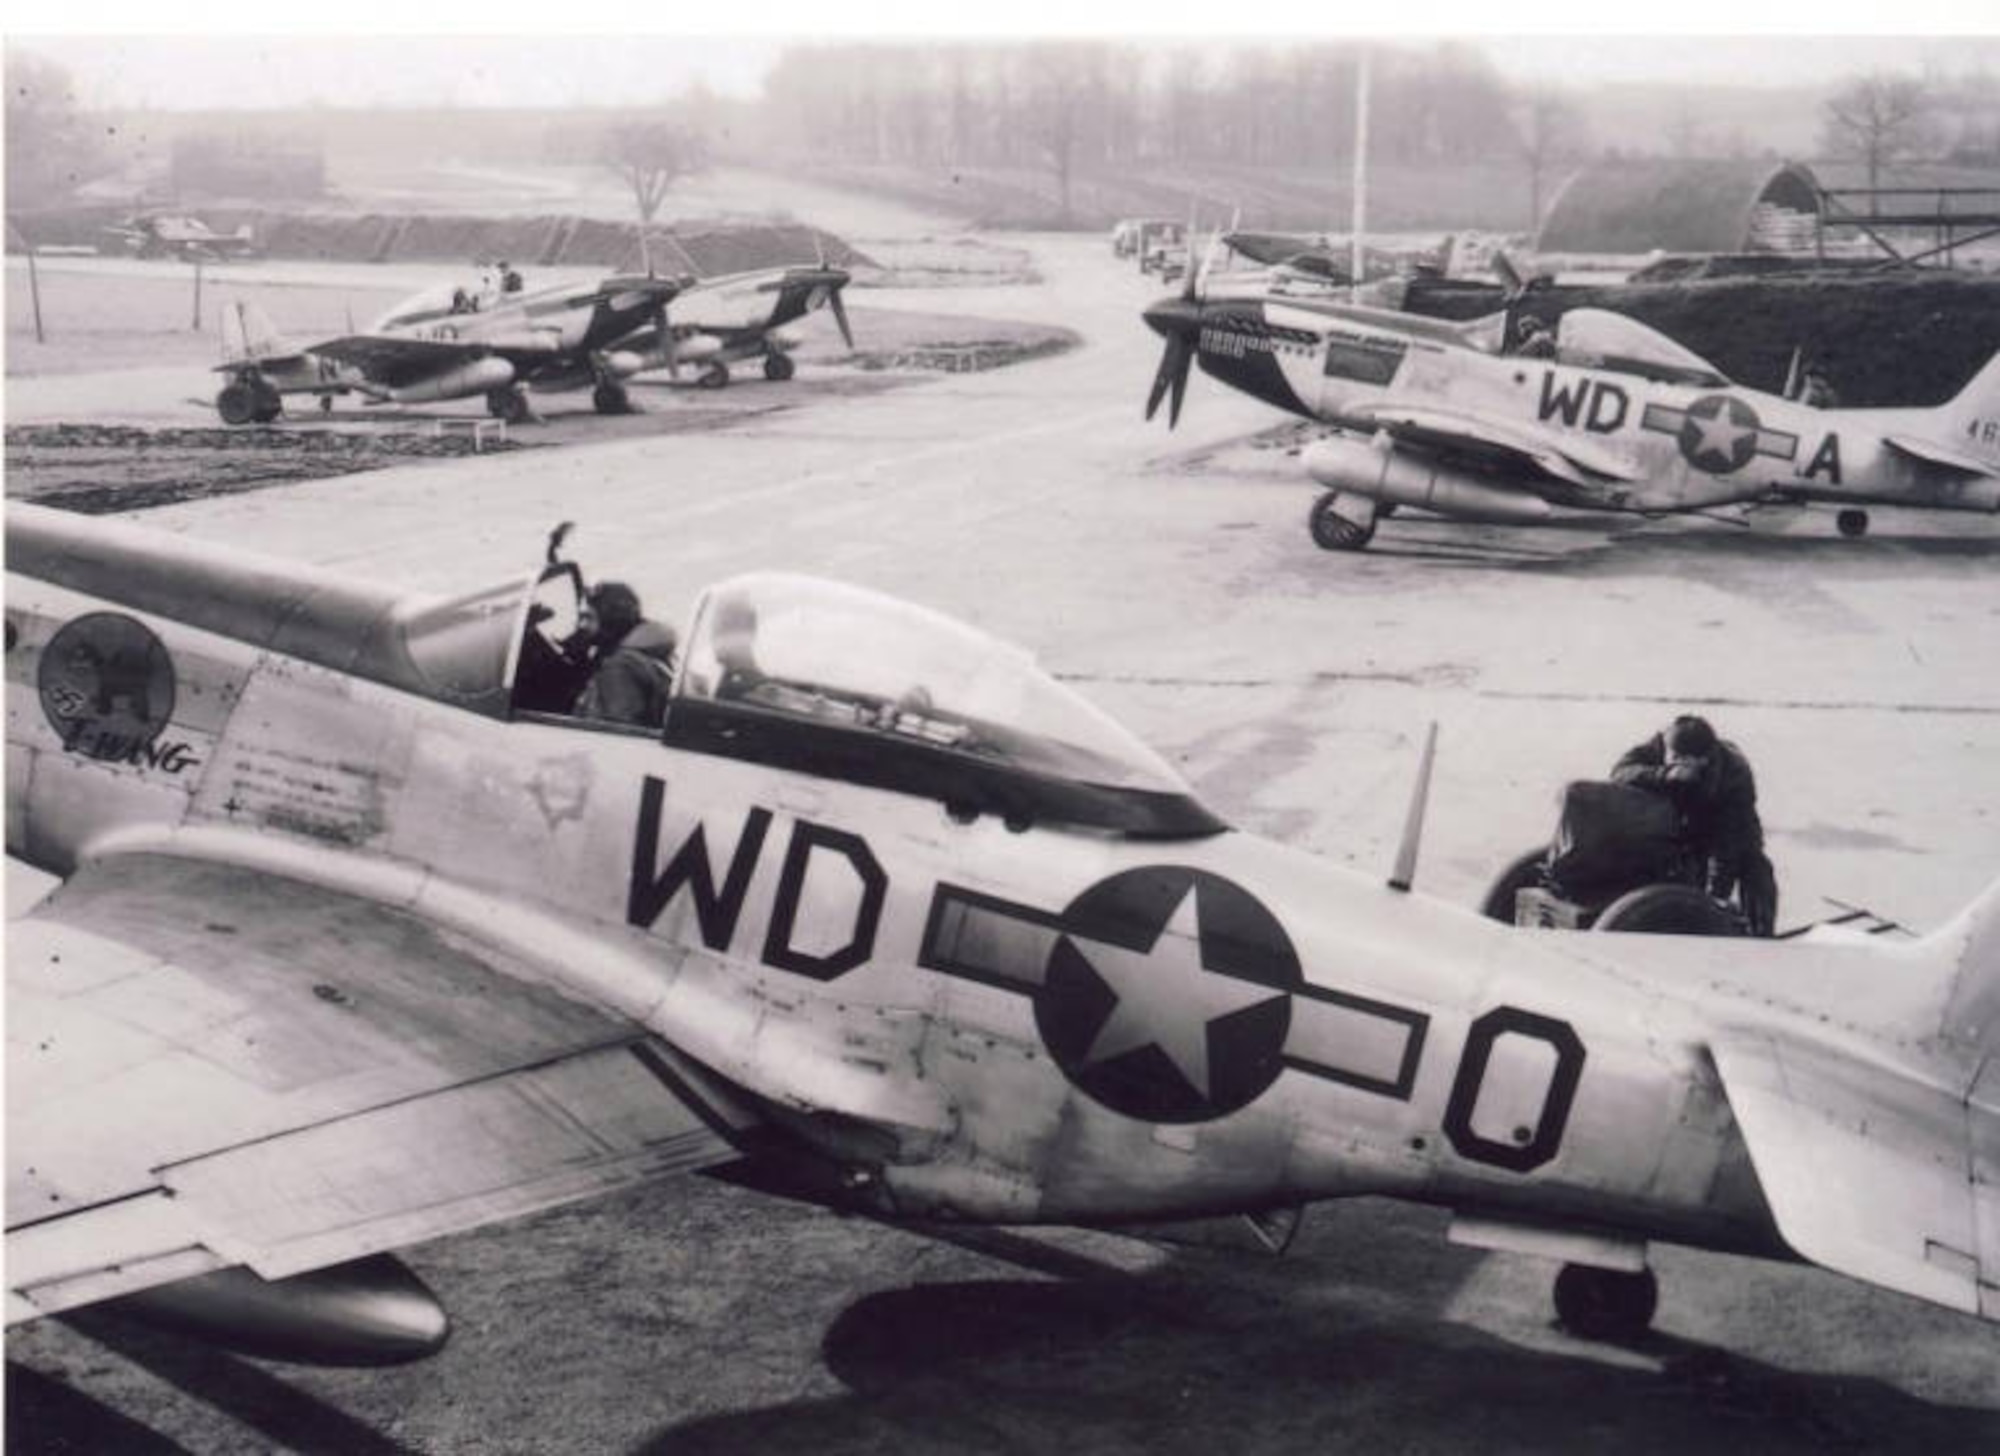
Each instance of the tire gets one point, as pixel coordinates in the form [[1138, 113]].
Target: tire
[[496, 402], [779, 367], [237, 404], [1852, 523], [611, 399], [1606, 1304], [1523, 871], [1668, 909], [714, 377], [1332, 531], [514, 408]]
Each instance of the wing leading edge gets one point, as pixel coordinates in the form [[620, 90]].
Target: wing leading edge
[[210, 1065], [1571, 461]]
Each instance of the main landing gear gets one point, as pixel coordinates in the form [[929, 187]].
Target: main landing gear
[[715, 376], [779, 367], [248, 399], [611, 398], [1852, 523], [510, 404], [1332, 530], [1606, 1304]]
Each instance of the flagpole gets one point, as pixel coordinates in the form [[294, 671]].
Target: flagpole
[[1359, 222]]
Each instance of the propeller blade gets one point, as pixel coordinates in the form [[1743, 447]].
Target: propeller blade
[[1198, 279], [1171, 376], [1180, 383], [840, 317]]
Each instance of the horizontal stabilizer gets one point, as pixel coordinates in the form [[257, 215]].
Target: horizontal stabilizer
[[1873, 1172], [1933, 453]]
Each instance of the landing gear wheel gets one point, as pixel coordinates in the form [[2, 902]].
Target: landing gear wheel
[[237, 404], [1606, 1304], [326, 404], [1332, 531], [510, 405], [714, 377], [611, 399], [1853, 524], [1668, 909], [270, 404], [778, 368], [1525, 870]]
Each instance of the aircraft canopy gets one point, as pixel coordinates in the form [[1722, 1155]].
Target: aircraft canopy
[[1598, 338], [837, 680]]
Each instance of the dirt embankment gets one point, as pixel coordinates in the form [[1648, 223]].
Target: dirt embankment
[[99, 469]]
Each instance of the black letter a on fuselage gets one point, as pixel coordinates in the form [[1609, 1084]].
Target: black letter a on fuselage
[[652, 892]]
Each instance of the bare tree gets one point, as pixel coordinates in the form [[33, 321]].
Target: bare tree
[[1062, 81], [1876, 118], [652, 156]]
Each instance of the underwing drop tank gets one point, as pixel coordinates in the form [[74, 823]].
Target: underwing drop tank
[[477, 376], [373, 1311], [1397, 477]]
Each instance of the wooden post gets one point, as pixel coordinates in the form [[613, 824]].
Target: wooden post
[[195, 322]]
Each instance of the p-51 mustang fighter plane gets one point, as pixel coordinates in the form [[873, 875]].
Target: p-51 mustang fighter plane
[[354, 949], [719, 321], [1617, 418], [451, 343], [166, 235]]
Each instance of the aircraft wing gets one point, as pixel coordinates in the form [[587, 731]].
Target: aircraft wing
[[1932, 453], [1573, 461], [210, 1065], [395, 361], [1873, 1172]]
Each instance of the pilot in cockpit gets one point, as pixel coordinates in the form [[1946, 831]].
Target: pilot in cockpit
[[1535, 340], [632, 659]]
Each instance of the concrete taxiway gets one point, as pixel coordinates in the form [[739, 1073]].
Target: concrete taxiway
[[1170, 577]]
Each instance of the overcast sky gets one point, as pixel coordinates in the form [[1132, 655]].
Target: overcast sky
[[249, 67]]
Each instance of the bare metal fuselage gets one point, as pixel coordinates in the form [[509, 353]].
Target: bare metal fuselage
[[901, 987]]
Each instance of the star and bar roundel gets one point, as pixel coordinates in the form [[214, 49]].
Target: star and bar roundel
[[1171, 994], [1719, 433]]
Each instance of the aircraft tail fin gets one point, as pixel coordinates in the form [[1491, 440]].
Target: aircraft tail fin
[[249, 336], [1970, 422], [1968, 947]]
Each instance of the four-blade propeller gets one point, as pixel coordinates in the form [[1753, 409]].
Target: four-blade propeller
[[1178, 321]]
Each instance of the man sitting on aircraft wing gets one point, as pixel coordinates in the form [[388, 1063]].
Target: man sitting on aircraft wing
[[1710, 783], [633, 670]]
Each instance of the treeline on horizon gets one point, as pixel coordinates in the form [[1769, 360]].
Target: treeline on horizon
[[1107, 104]]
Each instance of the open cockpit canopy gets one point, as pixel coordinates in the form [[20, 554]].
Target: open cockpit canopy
[[842, 682]]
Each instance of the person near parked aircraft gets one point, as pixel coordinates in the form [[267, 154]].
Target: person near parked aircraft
[[1710, 783]]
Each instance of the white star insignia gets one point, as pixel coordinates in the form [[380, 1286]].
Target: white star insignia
[[1720, 434], [1166, 997]]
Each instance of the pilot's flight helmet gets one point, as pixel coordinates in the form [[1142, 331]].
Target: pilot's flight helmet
[[616, 605]]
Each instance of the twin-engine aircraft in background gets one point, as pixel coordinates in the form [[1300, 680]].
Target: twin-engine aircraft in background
[[361, 941], [495, 340], [1616, 418], [726, 319]]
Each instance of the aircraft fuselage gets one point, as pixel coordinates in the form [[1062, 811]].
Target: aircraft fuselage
[[1680, 446], [968, 1019]]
